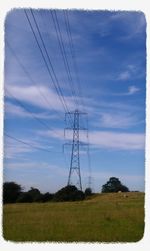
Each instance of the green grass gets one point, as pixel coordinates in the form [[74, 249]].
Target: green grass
[[103, 218]]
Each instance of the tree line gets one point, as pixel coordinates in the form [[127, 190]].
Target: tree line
[[13, 192]]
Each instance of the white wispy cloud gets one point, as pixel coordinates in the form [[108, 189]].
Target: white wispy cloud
[[14, 149], [106, 139], [133, 23], [115, 106], [34, 165], [133, 89], [16, 110], [130, 70], [119, 141], [117, 120], [125, 75], [30, 94]]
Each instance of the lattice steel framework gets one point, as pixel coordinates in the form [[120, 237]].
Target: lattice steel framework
[[75, 151]]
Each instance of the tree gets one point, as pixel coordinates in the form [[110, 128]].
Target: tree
[[24, 197], [11, 192], [114, 185], [46, 197], [69, 193], [88, 191], [35, 194]]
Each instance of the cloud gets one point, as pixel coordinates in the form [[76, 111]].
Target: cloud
[[116, 120], [15, 149], [105, 139], [34, 165], [118, 141], [31, 95], [130, 71], [124, 75], [133, 23], [133, 89], [18, 111], [126, 109]]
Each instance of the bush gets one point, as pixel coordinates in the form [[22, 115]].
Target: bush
[[69, 193], [35, 194], [11, 192], [24, 197], [46, 197], [88, 191]]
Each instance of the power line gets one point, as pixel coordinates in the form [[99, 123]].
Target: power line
[[28, 144], [70, 42], [72, 50], [56, 85], [63, 52]]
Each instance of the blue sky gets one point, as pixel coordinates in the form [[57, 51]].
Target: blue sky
[[110, 55]]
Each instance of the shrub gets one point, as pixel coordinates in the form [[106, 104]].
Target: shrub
[[24, 197], [88, 191], [46, 197], [35, 194], [69, 193], [11, 192]]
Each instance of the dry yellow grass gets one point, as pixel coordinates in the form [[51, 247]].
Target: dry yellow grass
[[103, 218]]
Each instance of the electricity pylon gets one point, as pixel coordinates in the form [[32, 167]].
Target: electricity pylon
[[75, 151]]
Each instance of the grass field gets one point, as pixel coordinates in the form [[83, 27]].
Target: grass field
[[103, 218]]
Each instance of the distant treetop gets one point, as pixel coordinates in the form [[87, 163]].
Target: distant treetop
[[114, 185]]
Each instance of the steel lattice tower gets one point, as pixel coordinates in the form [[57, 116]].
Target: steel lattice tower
[[75, 152]]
